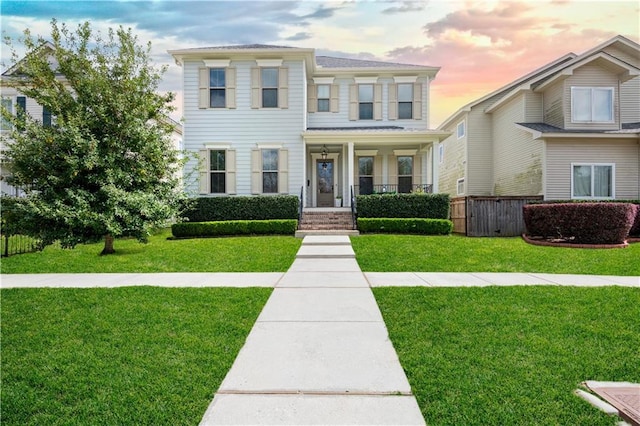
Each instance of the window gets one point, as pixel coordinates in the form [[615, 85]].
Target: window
[[217, 88], [405, 101], [21, 110], [460, 130], [46, 117], [365, 101], [217, 171], [592, 181], [269, 79], [324, 97], [8, 105], [405, 174], [441, 153], [270, 170], [592, 104], [460, 186], [365, 173]]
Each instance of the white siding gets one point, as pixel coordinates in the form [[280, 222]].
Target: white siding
[[517, 158], [561, 153], [533, 107], [455, 159], [630, 101], [341, 118], [243, 128], [479, 179]]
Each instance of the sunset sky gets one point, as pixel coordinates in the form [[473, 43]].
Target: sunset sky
[[479, 45]]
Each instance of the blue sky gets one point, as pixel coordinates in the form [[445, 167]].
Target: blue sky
[[480, 45]]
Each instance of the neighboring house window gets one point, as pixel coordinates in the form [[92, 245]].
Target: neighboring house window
[[460, 186], [365, 101], [441, 153], [46, 117], [592, 104], [365, 173], [405, 101], [460, 130], [217, 88], [21, 109], [269, 80], [405, 174], [592, 181], [8, 105], [324, 97], [269, 170], [217, 171]]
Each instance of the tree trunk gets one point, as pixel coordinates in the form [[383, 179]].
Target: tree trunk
[[108, 245]]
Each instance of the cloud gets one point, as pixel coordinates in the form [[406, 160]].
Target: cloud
[[299, 36], [322, 13], [406, 6]]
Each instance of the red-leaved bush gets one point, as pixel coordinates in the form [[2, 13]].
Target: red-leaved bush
[[581, 223]]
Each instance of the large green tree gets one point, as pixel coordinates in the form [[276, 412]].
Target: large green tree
[[106, 166]]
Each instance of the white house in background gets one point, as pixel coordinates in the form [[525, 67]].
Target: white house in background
[[15, 101], [281, 120], [570, 129]]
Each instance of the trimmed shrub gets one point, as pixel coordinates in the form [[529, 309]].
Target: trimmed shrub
[[234, 227], [208, 209], [429, 206], [406, 225], [586, 223]]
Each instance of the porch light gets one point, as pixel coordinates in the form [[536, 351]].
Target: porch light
[[324, 154]]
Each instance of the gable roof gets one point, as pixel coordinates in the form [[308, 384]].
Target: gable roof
[[45, 48], [560, 68]]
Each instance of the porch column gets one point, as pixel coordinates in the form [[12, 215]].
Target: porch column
[[435, 161], [350, 174]]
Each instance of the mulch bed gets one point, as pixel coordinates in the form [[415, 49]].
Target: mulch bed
[[566, 242]]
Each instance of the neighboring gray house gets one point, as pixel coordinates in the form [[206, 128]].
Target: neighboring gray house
[[280, 120], [568, 130]]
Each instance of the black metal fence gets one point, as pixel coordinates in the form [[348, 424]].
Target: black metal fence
[[392, 189], [18, 244]]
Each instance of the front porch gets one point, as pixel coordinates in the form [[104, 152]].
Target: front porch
[[362, 161]]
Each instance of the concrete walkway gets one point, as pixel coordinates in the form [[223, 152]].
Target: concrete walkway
[[319, 352]]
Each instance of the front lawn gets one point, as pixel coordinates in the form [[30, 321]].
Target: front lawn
[[232, 254], [414, 253], [135, 355], [512, 355]]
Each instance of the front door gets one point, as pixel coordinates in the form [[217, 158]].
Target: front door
[[324, 170]]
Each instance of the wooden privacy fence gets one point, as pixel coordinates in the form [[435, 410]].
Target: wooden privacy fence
[[477, 216]]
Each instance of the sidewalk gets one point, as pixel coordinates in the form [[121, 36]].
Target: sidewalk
[[319, 352]]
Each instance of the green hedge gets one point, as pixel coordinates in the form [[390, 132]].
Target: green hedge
[[234, 227], [208, 209], [406, 226], [429, 206]]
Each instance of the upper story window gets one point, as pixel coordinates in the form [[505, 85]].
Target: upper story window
[[592, 181], [592, 104], [405, 101], [365, 101], [460, 130], [269, 81], [46, 117], [217, 88], [324, 97]]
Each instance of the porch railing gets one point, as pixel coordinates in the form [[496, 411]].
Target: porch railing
[[393, 189]]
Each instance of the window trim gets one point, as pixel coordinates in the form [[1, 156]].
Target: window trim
[[410, 102], [217, 171], [222, 89], [6, 125], [459, 134], [441, 153], [592, 197], [327, 99], [410, 175], [458, 183], [372, 102], [276, 170], [592, 89], [263, 87]]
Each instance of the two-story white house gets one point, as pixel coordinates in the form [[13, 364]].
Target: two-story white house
[[567, 130], [281, 120]]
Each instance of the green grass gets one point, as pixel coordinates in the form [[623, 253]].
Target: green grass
[[414, 253], [233, 254], [135, 355], [512, 356]]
